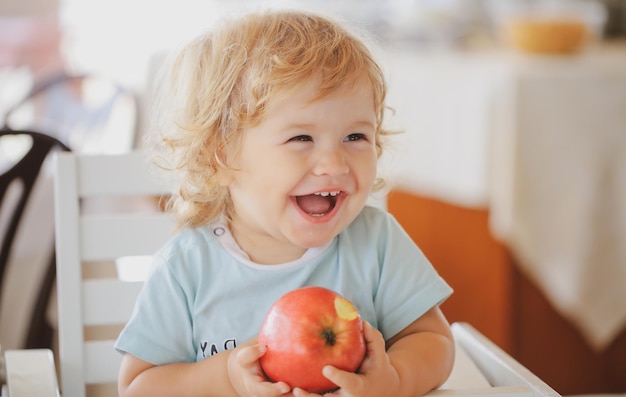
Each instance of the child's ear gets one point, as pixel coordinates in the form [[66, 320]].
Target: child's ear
[[224, 160], [224, 176]]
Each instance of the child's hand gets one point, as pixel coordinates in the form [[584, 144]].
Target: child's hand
[[246, 375], [376, 376]]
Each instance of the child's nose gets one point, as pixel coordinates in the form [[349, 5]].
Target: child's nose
[[331, 162]]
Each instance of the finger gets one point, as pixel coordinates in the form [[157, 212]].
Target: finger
[[271, 389], [247, 356], [344, 379], [374, 340], [371, 334], [298, 392]]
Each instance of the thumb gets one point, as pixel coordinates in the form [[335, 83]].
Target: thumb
[[373, 337], [375, 346], [248, 355]]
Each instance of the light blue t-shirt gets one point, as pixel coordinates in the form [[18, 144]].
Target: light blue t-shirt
[[205, 296]]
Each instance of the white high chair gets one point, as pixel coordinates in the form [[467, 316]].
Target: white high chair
[[98, 221], [92, 239]]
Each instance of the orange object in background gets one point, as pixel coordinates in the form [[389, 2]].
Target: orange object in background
[[459, 245], [549, 27], [492, 294], [550, 36]]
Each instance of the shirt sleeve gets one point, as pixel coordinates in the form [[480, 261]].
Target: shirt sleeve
[[160, 329], [409, 285]]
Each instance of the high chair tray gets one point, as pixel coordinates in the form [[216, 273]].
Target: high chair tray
[[481, 368]]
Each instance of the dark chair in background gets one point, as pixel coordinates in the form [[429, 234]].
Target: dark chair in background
[[21, 175]]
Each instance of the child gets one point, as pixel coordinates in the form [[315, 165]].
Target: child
[[276, 128]]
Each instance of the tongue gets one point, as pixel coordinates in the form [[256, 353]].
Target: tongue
[[314, 204]]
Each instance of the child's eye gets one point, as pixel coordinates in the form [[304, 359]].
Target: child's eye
[[301, 138], [355, 137]]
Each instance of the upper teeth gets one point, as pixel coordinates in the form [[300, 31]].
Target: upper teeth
[[326, 194]]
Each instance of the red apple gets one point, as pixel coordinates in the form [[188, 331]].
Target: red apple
[[307, 329]]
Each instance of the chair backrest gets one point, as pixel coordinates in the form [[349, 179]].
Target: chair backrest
[[17, 180], [94, 239]]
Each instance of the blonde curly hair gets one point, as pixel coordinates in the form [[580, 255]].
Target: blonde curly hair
[[221, 83]]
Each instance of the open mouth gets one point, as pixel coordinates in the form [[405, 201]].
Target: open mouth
[[318, 204]]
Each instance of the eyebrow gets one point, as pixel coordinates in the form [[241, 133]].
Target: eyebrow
[[365, 123], [305, 126]]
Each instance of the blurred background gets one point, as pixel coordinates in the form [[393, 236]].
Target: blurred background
[[510, 172]]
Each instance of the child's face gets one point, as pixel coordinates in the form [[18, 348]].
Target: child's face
[[304, 173]]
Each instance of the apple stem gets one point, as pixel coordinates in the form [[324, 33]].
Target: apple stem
[[329, 336]]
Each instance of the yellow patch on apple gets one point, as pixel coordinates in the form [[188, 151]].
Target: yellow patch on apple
[[345, 309]]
